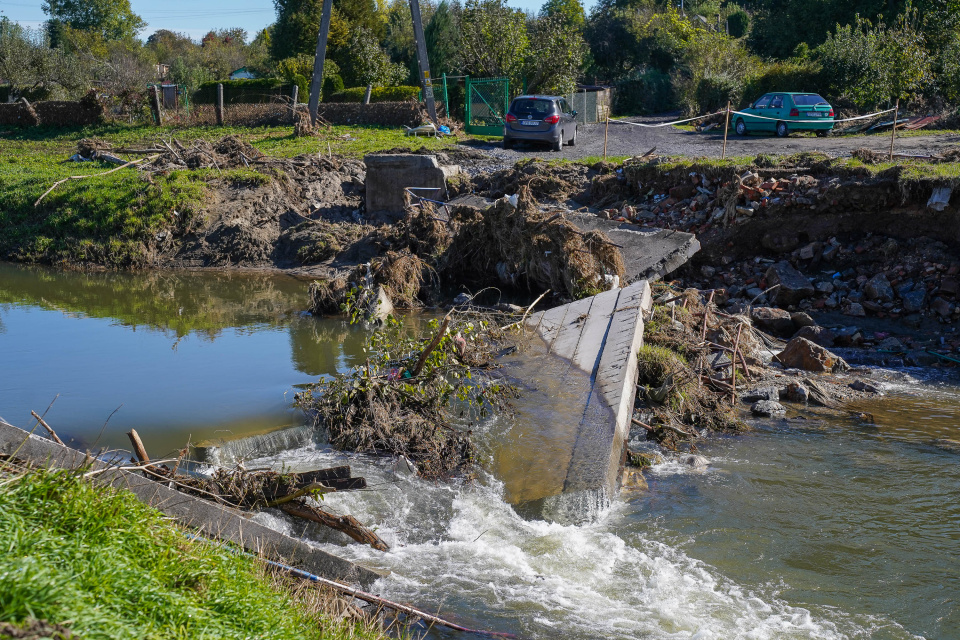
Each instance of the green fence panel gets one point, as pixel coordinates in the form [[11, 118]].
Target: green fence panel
[[487, 101]]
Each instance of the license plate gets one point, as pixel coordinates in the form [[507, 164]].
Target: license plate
[[529, 123], [814, 114]]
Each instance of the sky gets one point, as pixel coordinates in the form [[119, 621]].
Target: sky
[[194, 17]]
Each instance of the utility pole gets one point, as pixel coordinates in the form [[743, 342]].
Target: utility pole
[[316, 83], [425, 80]]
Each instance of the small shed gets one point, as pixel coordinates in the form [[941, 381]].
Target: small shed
[[243, 74], [591, 102]]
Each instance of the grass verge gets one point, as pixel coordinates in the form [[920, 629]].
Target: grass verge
[[103, 565]]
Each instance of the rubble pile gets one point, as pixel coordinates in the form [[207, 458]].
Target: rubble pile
[[701, 203]]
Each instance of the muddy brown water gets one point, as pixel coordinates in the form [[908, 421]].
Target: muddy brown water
[[810, 527]]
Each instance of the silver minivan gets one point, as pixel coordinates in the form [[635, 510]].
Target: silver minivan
[[540, 119]]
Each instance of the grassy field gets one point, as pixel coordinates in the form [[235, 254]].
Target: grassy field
[[103, 565], [106, 220]]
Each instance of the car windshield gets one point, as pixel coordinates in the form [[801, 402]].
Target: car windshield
[[532, 108], [808, 100]]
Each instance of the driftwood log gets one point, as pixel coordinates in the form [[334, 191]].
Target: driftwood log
[[259, 489]]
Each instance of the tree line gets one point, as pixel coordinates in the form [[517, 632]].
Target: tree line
[[861, 54]]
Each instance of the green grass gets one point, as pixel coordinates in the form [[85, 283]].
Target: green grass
[[106, 566], [110, 220]]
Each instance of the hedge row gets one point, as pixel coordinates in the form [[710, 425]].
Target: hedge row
[[244, 91], [54, 113], [386, 114], [379, 94]]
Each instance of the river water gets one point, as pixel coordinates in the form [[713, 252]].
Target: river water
[[803, 528]]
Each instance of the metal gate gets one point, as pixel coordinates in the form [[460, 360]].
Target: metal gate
[[486, 105]]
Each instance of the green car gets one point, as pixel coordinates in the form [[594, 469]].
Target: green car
[[783, 112]]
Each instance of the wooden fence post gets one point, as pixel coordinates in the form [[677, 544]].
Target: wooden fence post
[[893, 134], [155, 104], [726, 129], [366, 96], [220, 104]]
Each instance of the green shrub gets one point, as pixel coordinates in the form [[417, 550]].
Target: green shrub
[[332, 85], [379, 94], [784, 76], [650, 92], [716, 67], [738, 23], [249, 91]]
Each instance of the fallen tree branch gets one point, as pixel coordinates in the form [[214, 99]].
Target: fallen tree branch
[[347, 524], [309, 490], [527, 312], [422, 360], [53, 434], [91, 175], [668, 427]]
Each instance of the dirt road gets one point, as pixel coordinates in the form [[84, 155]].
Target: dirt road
[[625, 139]]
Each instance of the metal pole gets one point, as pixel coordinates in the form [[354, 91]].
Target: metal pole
[[220, 104], [446, 97], [293, 100], [425, 80], [893, 134], [316, 82], [605, 129], [726, 129]]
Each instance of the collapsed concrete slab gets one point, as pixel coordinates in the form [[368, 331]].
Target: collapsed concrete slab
[[211, 519], [564, 461], [649, 254], [389, 174]]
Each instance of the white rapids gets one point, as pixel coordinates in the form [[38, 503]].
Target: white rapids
[[461, 550]]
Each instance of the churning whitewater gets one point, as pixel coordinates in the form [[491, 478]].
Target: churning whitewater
[[462, 550]]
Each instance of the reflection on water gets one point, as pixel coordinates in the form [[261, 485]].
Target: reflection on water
[[196, 354]]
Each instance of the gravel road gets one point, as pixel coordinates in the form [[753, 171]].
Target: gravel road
[[625, 140]]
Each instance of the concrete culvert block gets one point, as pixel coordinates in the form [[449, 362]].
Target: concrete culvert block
[[388, 175]]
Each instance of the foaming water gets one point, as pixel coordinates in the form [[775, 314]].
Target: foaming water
[[463, 550]]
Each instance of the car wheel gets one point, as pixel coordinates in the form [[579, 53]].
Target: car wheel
[[740, 127], [822, 134], [782, 130], [558, 144], [573, 140]]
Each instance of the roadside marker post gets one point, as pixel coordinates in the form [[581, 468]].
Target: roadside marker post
[[220, 104], [605, 130], [726, 129], [893, 134]]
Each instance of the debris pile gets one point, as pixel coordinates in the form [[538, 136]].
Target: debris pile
[[517, 243], [406, 398], [875, 276], [227, 153], [256, 490]]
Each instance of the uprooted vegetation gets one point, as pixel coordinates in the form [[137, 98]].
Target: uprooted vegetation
[[512, 243], [692, 361], [411, 394]]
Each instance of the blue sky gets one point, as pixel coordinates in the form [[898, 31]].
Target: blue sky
[[194, 17]]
